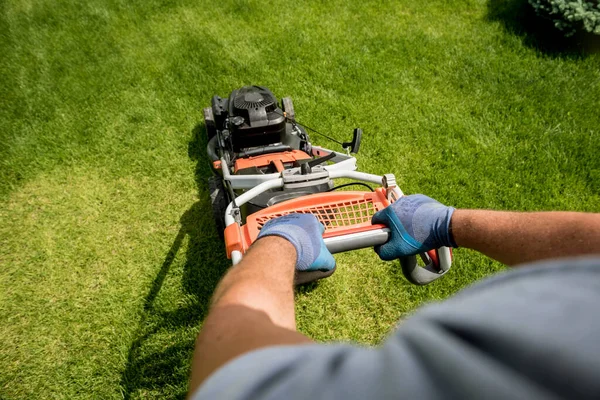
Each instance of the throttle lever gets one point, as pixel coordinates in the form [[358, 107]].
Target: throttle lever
[[306, 167]]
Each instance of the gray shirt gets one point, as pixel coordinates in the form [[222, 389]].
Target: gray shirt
[[530, 333]]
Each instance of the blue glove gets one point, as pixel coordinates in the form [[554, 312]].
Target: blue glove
[[305, 233], [417, 223]]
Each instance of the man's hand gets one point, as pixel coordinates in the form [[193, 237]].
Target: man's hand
[[305, 233], [417, 223]]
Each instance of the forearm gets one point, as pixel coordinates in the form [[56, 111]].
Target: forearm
[[252, 307], [519, 237], [263, 281]]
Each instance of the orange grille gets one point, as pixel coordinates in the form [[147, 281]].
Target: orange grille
[[342, 213], [345, 213]]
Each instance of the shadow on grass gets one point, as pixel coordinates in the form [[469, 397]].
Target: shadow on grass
[[158, 361], [518, 17]]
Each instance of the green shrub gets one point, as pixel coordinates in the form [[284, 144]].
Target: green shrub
[[570, 16]]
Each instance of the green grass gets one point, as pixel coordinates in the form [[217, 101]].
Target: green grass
[[108, 252]]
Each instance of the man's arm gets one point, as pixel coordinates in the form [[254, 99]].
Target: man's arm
[[253, 307], [518, 237], [418, 223]]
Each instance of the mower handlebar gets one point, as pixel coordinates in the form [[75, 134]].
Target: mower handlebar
[[354, 241]]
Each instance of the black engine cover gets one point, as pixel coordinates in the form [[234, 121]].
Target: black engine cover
[[254, 117]]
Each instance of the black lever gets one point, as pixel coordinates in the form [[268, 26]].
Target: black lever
[[306, 167], [321, 160], [355, 143]]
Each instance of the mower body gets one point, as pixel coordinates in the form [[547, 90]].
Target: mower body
[[265, 166]]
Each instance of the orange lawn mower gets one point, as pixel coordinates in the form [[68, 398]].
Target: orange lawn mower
[[265, 167]]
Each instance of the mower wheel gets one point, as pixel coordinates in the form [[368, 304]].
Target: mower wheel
[[209, 122], [218, 200], [288, 107]]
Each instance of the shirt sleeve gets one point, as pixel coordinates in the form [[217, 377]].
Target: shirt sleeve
[[529, 334]]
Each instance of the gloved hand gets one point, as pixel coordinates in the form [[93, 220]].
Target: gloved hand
[[417, 223], [305, 233]]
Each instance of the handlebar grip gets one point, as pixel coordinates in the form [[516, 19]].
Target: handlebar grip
[[412, 271], [425, 275], [355, 241]]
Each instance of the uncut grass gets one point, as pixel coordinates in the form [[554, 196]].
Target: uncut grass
[[109, 254]]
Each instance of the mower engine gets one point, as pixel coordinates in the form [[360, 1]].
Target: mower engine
[[249, 119]]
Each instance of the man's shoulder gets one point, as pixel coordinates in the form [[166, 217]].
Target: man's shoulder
[[530, 332], [574, 268], [535, 293], [527, 333]]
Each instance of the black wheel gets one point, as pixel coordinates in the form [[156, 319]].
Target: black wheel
[[288, 107], [218, 200], [209, 122]]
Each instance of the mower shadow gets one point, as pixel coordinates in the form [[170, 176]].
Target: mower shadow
[[159, 358], [518, 17]]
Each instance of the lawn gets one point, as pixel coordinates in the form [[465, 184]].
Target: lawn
[[108, 251]]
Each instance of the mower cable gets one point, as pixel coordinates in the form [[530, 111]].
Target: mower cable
[[309, 128], [351, 184]]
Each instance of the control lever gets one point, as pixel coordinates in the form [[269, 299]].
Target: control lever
[[354, 145], [306, 167]]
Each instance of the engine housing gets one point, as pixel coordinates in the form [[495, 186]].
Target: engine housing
[[249, 118]]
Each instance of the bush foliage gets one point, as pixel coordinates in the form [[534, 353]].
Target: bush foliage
[[570, 16]]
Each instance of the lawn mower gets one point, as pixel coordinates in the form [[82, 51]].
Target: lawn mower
[[265, 166]]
